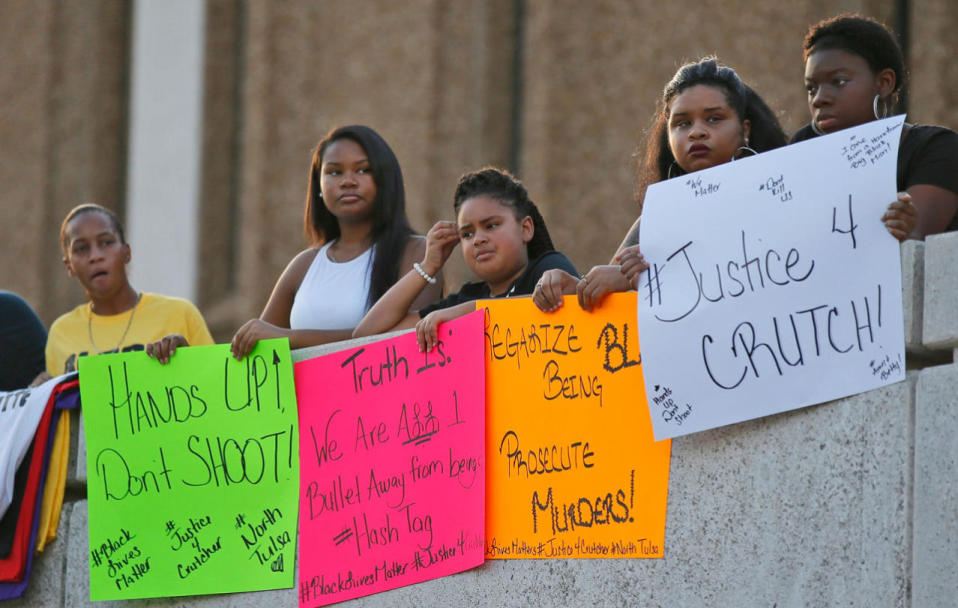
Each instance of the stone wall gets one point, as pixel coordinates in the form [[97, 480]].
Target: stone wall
[[846, 503], [850, 502], [557, 91], [63, 109]]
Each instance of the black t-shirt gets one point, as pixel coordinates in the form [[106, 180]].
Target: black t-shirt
[[522, 286], [927, 155], [22, 342]]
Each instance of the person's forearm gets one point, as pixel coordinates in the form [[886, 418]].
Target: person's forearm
[[631, 238], [392, 310]]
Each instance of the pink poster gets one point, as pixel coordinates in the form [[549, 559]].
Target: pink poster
[[392, 473]]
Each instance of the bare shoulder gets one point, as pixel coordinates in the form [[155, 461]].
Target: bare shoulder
[[296, 269], [280, 302]]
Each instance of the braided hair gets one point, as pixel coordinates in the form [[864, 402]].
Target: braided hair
[[502, 186]]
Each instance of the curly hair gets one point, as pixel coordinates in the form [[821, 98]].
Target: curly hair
[[765, 133], [390, 230], [502, 186], [859, 35], [90, 208]]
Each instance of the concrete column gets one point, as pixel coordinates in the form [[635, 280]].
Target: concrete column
[[165, 144], [935, 547], [940, 315]]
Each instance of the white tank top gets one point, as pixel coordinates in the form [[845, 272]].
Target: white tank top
[[332, 295]]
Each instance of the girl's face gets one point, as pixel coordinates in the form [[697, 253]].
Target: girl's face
[[347, 184], [95, 256], [841, 88], [703, 129], [494, 241]]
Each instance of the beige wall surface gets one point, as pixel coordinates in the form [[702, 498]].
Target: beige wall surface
[[593, 79], [62, 134], [561, 91]]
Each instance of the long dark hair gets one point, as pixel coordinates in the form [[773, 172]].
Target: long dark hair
[[765, 132], [390, 227], [502, 186]]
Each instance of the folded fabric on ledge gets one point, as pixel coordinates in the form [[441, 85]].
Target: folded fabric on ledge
[[15, 567]]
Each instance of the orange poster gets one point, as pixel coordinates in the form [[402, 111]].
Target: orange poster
[[572, 467]]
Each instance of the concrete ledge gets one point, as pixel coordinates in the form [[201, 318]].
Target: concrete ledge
[[940, 316], [811, 507], [806, 508], [935, 574], [814, 501], [912, 292], [302, 354], [47, 580]]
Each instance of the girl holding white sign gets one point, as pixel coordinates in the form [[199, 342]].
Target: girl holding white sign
[[505, 242], [707, 116], [854, 73]]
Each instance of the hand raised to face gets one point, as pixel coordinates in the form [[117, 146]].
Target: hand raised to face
[[441, 239]]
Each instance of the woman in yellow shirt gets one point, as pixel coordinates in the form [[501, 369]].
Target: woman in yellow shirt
[[117, 318]]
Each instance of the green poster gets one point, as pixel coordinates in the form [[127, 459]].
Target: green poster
[[192, 471]]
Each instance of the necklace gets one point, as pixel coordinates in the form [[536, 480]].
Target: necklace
[[129, 322]]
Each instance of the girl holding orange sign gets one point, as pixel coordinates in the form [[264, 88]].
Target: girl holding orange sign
[[504, 240]]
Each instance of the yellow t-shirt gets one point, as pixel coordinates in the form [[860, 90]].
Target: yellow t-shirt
[[154, 317]]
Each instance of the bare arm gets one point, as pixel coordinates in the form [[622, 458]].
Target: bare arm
[[40, 379], [274, 321], [432, 292], [391, 312], [631, 238], [427, 329], [395, 310], [600, 281], [936, 207], [280, 303]]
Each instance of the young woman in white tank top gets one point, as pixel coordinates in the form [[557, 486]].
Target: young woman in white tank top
[[361, 244], [349, 280]]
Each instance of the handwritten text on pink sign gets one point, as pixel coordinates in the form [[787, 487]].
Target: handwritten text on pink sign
[[392, 470]]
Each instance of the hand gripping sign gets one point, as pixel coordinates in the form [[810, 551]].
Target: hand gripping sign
[[393, 472], [773, 283], [573, 469], [192, 471]]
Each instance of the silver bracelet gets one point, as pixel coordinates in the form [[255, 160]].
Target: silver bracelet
[[422, 273]]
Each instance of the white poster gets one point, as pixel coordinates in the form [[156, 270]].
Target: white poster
[[20, 414], [773, 283]]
